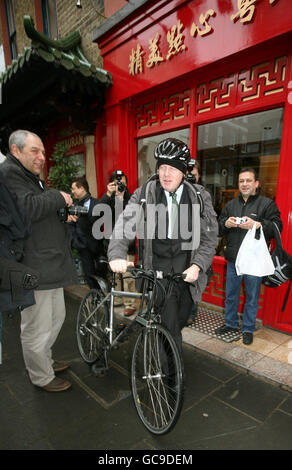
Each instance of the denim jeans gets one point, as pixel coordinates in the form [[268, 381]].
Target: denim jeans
[[194, 311], [252, 288]]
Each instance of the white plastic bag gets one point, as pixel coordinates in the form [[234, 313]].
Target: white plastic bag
[[253, 256]]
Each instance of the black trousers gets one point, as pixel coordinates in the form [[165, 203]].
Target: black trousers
[[88, 265], [88, 260], [177, 310]]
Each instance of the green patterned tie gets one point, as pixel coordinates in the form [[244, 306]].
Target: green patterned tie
[[174, 211]]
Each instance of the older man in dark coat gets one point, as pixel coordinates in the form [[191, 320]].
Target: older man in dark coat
[[47, 250]]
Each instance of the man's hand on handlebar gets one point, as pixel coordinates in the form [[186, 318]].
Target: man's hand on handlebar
[[192, 273], [120, 265]]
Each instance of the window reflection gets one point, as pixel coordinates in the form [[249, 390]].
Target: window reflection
[[223, 148], [227, 146]]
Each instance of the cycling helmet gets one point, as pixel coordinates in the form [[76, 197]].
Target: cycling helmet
[[172, 152]]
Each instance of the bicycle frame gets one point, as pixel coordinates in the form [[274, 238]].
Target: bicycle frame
[[156, 368], [114, 293], [110, 298]]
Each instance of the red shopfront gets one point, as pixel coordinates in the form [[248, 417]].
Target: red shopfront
[[216, 74]]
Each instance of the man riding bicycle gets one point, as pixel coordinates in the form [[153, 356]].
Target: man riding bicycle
[[177, 232]]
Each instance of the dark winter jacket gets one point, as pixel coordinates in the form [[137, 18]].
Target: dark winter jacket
[[16, 279], [258, 208], [47, 249], [82, 237], [202, 246]]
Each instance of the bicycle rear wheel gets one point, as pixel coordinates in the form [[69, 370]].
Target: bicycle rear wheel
[[157, 379], [92, 319]]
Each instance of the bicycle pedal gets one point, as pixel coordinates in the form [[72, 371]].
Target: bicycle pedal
[[98, 371]]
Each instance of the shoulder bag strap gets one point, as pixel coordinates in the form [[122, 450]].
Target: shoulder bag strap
[[277, 236]]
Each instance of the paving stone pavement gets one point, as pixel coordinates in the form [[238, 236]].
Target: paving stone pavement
[[225, 407]]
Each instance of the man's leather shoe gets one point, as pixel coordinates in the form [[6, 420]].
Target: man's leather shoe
[[57, 385], [247, 338], [58, 366], [224, 329]]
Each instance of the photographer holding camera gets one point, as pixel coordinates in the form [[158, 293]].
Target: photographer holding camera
[[82, 239], [117, 188], [47, 250], [194, 172]]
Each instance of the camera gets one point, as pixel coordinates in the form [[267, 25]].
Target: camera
[[190, 166], [72, 210], [121, 186], [191, 163], [240, 220]]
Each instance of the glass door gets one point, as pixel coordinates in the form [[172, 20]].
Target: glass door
[[224, 147]]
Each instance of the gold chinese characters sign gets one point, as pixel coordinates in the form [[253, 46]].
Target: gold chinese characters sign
[[175, 36]]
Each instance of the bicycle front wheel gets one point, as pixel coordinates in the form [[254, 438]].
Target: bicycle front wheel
[[92, 319], [157, 379]]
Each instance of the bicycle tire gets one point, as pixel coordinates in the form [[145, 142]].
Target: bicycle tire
[[157, 379], [90, 327]]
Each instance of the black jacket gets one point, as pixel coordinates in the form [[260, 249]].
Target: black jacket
[[258, 208], [47, 249], [82, 237], [16, 279]]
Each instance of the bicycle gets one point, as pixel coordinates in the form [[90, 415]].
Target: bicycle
[[157, 373]]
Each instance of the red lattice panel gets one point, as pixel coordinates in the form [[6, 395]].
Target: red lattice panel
[[216, 94], [175, 106], [262, 80], [147, 115]]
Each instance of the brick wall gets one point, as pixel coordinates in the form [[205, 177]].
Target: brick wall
[[21, 8], [69, 18], [85, 19]]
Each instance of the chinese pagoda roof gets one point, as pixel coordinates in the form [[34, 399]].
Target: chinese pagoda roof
[[51, 78]]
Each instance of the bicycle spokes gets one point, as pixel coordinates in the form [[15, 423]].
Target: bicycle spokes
[[157, 379], [91, 323]]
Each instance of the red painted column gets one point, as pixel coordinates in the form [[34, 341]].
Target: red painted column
[[5, 38]]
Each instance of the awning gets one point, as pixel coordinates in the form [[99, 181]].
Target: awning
[[51, 79]]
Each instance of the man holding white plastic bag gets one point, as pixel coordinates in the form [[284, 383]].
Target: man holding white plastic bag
[[252, 214]]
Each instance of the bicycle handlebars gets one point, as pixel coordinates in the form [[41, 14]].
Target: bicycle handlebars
[[155, 274]]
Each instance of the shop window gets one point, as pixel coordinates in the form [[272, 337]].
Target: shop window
[[248, 141], [225, 147], [49, 18], [2, 59], [9, 9], [146, 147]]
